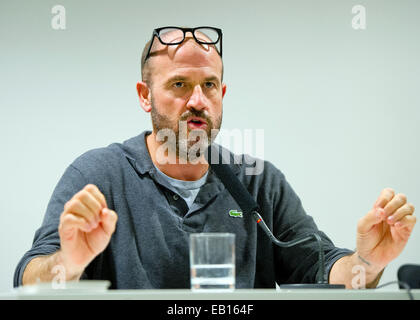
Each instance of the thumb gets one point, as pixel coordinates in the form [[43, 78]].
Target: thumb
[[109, 220], [372, 218]]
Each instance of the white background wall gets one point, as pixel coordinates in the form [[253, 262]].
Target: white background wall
[[339, 107]]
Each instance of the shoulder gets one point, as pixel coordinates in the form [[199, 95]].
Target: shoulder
[[97, 159], [108, 159]]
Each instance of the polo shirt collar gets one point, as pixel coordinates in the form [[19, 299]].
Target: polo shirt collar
[[135, 149]]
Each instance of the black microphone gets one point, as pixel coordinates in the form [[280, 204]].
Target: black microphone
[[220, 167]]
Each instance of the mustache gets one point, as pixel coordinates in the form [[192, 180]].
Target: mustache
[[195, 113]]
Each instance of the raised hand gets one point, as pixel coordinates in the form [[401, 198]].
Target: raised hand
[[85, 229], [384, 231]]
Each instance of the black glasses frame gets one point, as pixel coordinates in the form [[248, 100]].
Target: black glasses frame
[[156, 33]]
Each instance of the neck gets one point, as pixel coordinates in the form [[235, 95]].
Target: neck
[[176, 169]]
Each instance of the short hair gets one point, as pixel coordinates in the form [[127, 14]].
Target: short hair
[[145, 66], [146, 70]]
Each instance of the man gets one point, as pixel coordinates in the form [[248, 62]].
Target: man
[[161, 195]]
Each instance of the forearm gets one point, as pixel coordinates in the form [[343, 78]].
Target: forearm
[[355, 272], [46, 268]]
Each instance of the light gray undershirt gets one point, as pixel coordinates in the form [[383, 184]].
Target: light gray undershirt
[[187, 190]]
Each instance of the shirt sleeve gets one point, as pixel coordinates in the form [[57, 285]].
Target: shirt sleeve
[[299, 264], [47, 240]]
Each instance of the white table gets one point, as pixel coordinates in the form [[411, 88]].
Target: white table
[[255, 294]]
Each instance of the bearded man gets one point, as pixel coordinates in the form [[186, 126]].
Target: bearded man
[[124, 213]]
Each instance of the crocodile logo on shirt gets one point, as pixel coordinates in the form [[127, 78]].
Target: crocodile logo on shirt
[[235, 213]]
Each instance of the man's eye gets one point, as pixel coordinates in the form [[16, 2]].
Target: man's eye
[[210, 85], [178, 84]]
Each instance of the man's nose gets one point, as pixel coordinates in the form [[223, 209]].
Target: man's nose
[[197, 99]]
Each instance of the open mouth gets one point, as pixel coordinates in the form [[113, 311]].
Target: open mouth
[[197, 123]]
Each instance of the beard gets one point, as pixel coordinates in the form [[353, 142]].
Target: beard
[[189, 143]]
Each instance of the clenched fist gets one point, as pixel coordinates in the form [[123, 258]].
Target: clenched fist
[[85, 229]]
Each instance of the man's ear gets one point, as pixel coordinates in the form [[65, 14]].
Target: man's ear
[[223, 89], [145, 96]]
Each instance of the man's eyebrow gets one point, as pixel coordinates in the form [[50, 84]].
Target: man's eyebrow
[[212, 78], [183, 78], [177, 78]]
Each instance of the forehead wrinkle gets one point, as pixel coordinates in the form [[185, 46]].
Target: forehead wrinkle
[[204, 70], [201, 75], [188, 58]]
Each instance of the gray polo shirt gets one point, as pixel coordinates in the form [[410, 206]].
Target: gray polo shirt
[[150, 246], [188, 190]]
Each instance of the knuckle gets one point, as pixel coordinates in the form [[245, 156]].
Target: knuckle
[[73, 205], [90, 187], [389, 191], [402, 197], [75, 202], [83, 195], [69, 204], [64, 218], [410, 207]]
